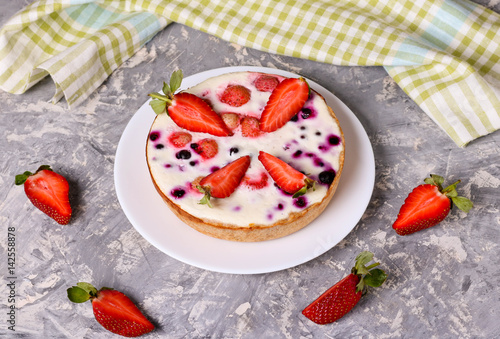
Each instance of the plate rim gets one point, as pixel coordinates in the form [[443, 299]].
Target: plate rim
[[325, 246]]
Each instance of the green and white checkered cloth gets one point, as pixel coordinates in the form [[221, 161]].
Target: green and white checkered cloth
[[443, 53]]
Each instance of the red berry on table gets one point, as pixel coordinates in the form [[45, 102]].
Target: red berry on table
[[223, 182], [286, 177], [112, 309], [266, 83], [285, 101], [48, 191], [427, 205], [179, 139], [341, 298], [187, 110], [250, 127], [235, 95], [207, 148]]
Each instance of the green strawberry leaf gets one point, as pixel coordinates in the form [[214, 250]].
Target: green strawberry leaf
[[166, 89], [206, 198], [463, 203], [158, 106], [77, 294], [175, 81], [300, 192], [87, 288], [435, 180], [375, 277], [44, 167], [21, 178]]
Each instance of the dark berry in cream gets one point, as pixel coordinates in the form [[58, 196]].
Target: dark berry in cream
[[184, 154], [327, 177]]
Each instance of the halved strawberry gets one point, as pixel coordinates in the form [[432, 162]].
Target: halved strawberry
[[179, 139], [223, 182], [339, 299], [427, 205], [266, 83], [207, 148], [112, 309], [235, 95], [48, 191], [285, 101], [250, 127], [286, 177], [232, 120], [187, 110]]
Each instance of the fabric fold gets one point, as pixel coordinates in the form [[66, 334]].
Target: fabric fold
[[444, 54]]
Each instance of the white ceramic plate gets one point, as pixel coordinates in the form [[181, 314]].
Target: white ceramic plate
[[151, 217]]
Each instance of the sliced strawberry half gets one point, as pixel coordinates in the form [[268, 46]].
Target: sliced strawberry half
[[223, 182], [286, 177], [341, 298], [187, 110], [427, 205], [192, 113], [285, 101], [112, 309], [48, 191]]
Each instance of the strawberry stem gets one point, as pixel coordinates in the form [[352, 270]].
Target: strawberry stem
[[160, 97]]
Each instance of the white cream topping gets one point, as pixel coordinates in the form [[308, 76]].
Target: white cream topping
[[246, 206]]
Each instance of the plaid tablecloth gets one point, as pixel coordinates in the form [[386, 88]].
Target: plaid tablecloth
[[443, 53]]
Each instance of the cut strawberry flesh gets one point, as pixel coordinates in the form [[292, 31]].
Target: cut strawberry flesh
[[223, 182], [286, 177], [192, 113], [336, 302], [48, 191], [118, 314], [285, 101], [424, 207]]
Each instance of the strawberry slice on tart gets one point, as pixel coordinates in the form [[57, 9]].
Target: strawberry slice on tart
[[286, 100], [223, 182], [187, 110], [286, 177]]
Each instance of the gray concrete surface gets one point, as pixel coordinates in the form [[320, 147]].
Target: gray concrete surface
[[443, 282]]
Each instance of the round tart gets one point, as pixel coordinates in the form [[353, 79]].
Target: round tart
[[259, 208]]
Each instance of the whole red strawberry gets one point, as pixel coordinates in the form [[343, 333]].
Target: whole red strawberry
[[250, 127], [266, 83], [187, 110], [235, 95], [48, 191], [112, 309], [179, 139], [339, 299], [223, 182], [427, 205], [207, 148]]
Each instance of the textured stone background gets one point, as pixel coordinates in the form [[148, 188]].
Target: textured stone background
[[443, 282]]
